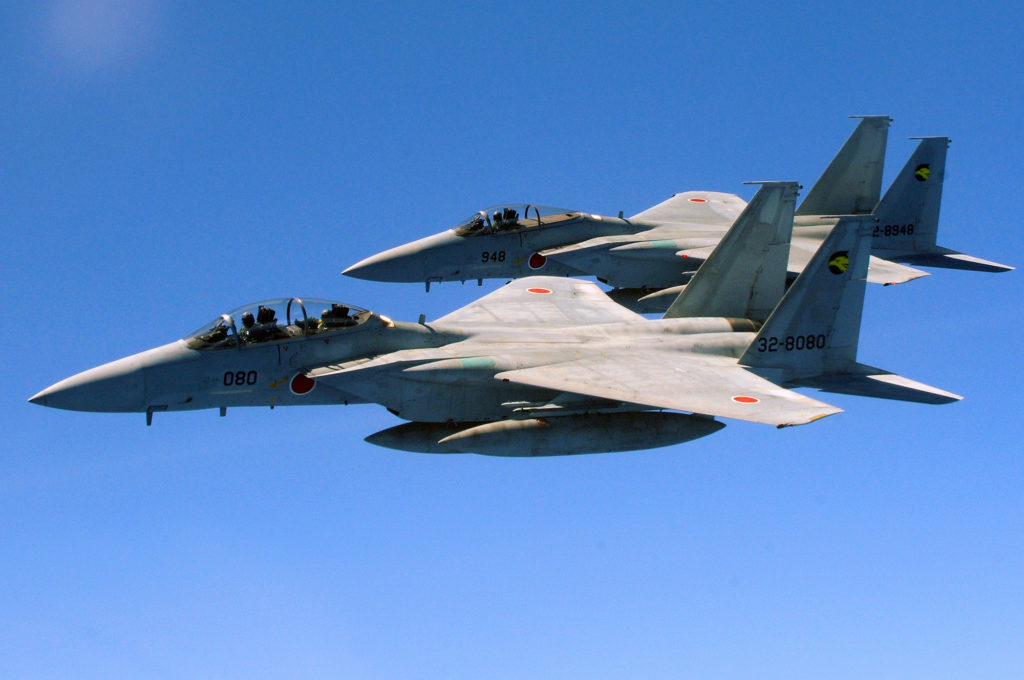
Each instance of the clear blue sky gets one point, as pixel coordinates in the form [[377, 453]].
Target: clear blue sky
[[164, 162]]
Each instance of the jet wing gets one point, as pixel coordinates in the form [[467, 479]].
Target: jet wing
[[700, 207], [659, 380], [886, 272], [547, 301]]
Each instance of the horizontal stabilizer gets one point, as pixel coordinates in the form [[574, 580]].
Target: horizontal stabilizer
[[874, 382], [885, 272], [954, 260]]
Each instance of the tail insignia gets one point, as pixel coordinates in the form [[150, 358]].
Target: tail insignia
[[839, 262], [922, 173]]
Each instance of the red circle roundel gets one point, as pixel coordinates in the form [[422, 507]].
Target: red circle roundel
[[697, 200], [302, 384], [537, 261], [538, 291], [746, 400]]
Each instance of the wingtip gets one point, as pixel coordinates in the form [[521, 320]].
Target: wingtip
[[814, 418]]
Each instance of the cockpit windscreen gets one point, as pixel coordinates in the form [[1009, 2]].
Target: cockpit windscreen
[[279, 319], [510, 217]]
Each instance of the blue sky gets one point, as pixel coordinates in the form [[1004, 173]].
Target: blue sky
[[164, 162]]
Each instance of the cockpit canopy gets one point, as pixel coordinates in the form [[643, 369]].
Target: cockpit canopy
[[279, 319], [510, 217]]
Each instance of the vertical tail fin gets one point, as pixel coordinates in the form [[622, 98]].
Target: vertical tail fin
[[811, 338], [816, 327], [852, 182], [907, 218], [745, 275]]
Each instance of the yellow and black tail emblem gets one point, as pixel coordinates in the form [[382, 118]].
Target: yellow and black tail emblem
[[839, 262], [922, 172]]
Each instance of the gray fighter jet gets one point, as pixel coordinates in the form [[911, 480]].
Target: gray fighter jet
[[544, 365], [660, 248]]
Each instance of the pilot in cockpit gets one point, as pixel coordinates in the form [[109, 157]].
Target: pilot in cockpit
[[265, 314], [261, 328], [505, 218], [215, 335], [337, 317]]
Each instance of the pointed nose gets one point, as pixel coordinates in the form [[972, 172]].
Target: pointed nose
[[430, 257], [112, 388], [389, 265]]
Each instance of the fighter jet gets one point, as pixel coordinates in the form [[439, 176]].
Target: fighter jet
[[660, 248], [544, 365]]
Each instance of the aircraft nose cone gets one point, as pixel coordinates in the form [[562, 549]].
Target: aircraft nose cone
[[110, 388], [390, 265], [428, 257]]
